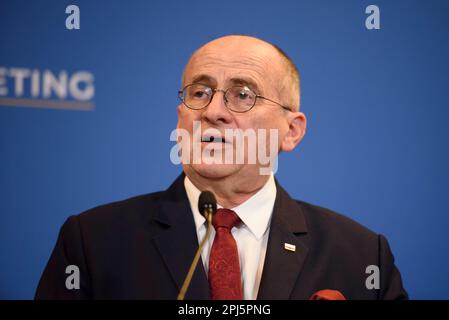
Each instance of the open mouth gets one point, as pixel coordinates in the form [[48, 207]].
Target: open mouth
[[217, 139]]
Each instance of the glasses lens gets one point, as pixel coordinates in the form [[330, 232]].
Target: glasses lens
[[196, 96], [240, 99]]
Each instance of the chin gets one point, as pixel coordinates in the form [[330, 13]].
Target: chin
[[215, 171]]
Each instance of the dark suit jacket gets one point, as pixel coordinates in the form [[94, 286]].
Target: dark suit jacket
[[141, 248]]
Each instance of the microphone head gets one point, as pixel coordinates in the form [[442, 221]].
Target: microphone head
[[207, 200]]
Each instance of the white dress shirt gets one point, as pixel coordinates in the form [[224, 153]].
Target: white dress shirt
[[251, 236]]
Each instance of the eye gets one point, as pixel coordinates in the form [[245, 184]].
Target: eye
[[243, 95], [200, 93]]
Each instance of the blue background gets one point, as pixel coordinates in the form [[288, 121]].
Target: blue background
[[377, 104]]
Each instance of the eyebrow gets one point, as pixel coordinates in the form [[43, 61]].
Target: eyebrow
[[245, 81], [203, 78]]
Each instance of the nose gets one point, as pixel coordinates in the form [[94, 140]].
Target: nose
[[217, 112]]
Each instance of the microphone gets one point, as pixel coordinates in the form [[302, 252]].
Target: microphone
[[207, 205]]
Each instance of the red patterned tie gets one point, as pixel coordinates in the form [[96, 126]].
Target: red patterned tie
[[224, 267]]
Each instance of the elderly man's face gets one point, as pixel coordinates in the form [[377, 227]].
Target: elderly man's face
[[228, 62]]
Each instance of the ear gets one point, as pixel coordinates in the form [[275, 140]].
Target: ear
[[179, 111], [296, 131]]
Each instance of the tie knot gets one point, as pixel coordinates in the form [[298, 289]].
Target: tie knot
[[225, 218]]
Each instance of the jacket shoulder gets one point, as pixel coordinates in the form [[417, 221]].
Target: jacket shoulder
[[333, 225], [120, 213], [345, 249]]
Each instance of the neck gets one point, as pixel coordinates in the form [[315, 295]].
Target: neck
[[230, 191]]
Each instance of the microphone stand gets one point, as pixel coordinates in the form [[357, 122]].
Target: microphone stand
[[208, 213]]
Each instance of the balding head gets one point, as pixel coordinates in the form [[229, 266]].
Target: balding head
[[266, 60]]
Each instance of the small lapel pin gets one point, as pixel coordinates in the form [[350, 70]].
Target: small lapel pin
[[289, 247]]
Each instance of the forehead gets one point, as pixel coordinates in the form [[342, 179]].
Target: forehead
[[226, 63]]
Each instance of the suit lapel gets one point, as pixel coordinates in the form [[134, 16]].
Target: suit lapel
[[281, 266], [177, 241]]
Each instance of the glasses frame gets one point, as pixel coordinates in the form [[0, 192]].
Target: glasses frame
[[181, 97]]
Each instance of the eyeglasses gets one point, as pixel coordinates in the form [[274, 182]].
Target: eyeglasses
[[240, 99]]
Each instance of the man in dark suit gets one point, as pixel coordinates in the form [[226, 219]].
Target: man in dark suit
[[264, 245]]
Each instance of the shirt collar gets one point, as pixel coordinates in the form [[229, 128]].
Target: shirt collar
[[255, 212]]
